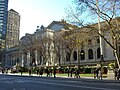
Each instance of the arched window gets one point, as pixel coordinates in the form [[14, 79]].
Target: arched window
[[82, 55], [75, 55], [90, 54], [98, 52], [68, 56]]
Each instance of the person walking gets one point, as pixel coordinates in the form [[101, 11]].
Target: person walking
[[115, 73], [54, 72], [71, 72], [37, 71], [30, 72], [50, 72], [77, 73], [118, 74], [47, 72], [96, 72], [100, 74], [2, 70], [21, 70], [68, 71], [40, 72]]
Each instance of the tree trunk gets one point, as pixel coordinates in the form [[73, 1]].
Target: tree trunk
[[116, 56]]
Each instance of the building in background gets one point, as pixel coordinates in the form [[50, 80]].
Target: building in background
[[48, 47], [3, 24], [13, 29]]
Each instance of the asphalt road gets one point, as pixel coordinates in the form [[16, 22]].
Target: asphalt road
[[8, 82]]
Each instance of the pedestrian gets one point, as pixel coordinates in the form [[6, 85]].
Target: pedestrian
[[71, 71], [40, 72], [37, 71], [115, 73], [2, 70], [77, 73], [118, 74], [50, 72], [21, 71], [94, 71], [54, 72], [68, 71], [97, 72], [47, 72], [6, 71], [100, 74], [30, 72]]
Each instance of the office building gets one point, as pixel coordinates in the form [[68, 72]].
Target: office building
[[3, 24], [13, 29]]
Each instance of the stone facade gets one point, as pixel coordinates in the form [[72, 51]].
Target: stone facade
[[31, 53]]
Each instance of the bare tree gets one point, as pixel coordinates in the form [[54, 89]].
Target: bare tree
[[106, 11], [29, 44], [58, 45], [46, 49], [74, 39]]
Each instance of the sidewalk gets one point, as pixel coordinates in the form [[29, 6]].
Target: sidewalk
[[91, 79]]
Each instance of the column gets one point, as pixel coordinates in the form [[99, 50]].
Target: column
[[36, 57], [28, 59], [22, 64]]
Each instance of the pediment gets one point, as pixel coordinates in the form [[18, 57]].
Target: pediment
[[56, 26]]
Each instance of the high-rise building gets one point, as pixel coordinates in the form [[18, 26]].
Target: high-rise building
[[3, 22], [13, 29], [3, 26]]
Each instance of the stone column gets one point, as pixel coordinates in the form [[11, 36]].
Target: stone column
[[28, 59], [36, 57], [22, 63], [78, 56]]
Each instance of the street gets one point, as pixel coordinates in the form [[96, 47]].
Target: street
[[9, 82]]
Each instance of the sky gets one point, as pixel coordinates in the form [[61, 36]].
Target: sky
[[38, 12]]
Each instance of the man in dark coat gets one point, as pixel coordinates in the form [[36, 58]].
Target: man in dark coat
[[115, 73], [54, 72], [118, 74]]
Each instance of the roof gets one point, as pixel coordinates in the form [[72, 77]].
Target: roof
[[13, 11], [63, 23]]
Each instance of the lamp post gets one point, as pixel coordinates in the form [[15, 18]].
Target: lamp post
[[79, 57]]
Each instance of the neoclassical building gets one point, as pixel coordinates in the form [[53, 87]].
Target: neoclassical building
[[42, 48]]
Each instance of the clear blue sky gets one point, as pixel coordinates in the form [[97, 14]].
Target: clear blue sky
[[38, 12]]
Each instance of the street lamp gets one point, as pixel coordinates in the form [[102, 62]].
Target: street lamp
[[80, 54], [78, 58]]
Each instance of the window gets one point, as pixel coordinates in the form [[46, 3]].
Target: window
[[98, 52], [68, 56], [90, 54], [75, 55], [1, 11], [119, 51], [89, 41], [0, 35]]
